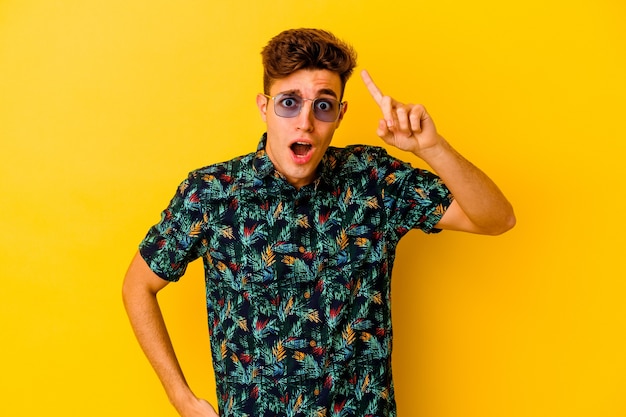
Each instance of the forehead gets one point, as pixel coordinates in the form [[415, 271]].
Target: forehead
[[309, 83]]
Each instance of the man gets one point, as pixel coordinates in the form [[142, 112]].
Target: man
[[298, 240]]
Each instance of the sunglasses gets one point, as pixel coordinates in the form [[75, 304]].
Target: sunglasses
[[289, 105]]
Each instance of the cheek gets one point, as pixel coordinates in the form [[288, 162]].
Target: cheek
[[328, 134], [280, 126]]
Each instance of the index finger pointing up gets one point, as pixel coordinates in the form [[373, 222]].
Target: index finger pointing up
[[371, 86]]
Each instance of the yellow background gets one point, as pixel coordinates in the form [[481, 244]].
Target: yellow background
[[105, 105]]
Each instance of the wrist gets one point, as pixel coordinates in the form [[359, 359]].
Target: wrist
[[181, 398], [434, 152]]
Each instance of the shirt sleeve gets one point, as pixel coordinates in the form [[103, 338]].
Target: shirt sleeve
[[172, 243], [414, 198]]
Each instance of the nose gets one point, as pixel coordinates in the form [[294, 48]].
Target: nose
[[306, 117]]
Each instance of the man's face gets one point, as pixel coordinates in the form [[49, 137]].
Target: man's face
[[296, 145]]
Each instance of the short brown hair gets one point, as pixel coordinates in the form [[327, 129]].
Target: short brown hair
[[297, 49]]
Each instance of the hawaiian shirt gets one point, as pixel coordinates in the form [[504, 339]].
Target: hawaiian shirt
[[298, 280]]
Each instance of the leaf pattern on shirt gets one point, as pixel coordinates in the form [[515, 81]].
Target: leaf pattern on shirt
[[298, 281]]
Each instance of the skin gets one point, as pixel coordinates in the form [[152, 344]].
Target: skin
[[479, 206]]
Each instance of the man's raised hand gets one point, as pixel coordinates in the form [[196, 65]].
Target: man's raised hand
[[405, 126]]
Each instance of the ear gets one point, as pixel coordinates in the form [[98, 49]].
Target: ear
[[261, 103], [344, 109]]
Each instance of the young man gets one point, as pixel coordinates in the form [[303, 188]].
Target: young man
[[298, 240]]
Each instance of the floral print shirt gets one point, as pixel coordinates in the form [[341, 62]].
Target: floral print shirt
[[298, 281]]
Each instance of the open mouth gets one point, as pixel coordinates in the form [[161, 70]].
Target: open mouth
[[301, 148]]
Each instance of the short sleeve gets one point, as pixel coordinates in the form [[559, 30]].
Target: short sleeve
[[414, 198], [172, 243]]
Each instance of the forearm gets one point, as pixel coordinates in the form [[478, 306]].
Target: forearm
[[479, 198]]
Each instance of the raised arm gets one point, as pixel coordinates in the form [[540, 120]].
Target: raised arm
[[479, 206], [139, 292]]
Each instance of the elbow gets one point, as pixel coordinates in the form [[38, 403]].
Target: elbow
[[511, 221], [505, 223]]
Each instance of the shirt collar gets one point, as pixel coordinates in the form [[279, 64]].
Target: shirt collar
[[261, 163]]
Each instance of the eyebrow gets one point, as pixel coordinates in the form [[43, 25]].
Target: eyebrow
[[326, 91]]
